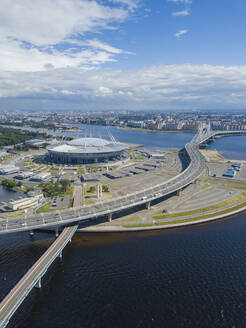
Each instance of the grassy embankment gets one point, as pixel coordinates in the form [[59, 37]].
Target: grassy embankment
[[160, 216], [224, 212], [14, 214]]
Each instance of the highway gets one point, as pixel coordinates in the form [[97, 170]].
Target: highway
[[80, 213]]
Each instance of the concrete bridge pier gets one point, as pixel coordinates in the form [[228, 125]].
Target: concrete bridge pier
[[178, 193], [57, 232], [38, 284], [110, 217], [148, 205]]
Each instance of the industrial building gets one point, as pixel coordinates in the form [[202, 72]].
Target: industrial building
[[40, 177], [23, 203], [37, 143], [8, 169], [85, 151]]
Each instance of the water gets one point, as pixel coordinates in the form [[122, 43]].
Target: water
[[164, 140], [190, 277], [168, 140], [7, 194], [233, 147]]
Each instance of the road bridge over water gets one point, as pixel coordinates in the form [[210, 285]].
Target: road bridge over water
[[107, 208], [33, 276]]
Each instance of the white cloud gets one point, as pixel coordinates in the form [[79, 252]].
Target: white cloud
[[180, 33], [46, 22], [185, 12], [132, 4], [171, 86], [36, 35]]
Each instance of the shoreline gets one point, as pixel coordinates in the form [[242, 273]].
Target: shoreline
[[109, 229], [214, 156], [155, 130]]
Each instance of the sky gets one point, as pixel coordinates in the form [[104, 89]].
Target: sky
[[84, 55]]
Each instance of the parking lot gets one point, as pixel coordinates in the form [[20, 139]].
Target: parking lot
[[218, 169]]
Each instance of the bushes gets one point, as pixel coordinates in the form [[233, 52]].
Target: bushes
[[105, 188], [58, 188], [10, 183], [92, 189]]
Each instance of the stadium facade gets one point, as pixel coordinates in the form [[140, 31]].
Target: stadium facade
[[86, 151]]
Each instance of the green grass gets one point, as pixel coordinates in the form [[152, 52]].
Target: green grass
[[45, 208], [200, 210], [230, 185], [70, 204], [207, 185], [121, 193], [139, 157], [81, 170], [54, 171], [114, 187], [214, 182], [138, 225], [207, 216], [88, 201], [14, 215], [238, 182], [133, 219]]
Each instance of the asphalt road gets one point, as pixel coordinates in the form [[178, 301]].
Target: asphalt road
[[189, 175]]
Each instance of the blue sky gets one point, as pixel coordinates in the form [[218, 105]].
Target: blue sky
[[122, 54]]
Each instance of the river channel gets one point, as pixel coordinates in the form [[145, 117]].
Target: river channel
[[187, 277]]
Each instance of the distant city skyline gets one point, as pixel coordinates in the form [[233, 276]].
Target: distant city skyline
[[122, 55]]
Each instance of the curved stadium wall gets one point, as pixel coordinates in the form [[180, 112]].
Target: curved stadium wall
[[85, 151]]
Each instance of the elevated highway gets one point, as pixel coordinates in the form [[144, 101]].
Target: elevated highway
[[145, 196]]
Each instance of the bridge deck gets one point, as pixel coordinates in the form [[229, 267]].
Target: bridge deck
[[29, 280], [16, 296]]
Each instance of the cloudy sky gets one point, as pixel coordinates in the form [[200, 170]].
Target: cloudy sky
[[122, 54]]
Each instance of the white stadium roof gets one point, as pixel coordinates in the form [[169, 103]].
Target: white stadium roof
[[89, 142], [88, 146]]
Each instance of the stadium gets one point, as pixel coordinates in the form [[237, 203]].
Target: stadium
[[86, 151]]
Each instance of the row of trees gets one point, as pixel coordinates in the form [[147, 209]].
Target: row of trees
[[58, 188], [13, 136], [9, 183]]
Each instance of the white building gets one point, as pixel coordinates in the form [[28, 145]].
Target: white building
[[23, 203], [3, 154], [40, 177], [8, 169]]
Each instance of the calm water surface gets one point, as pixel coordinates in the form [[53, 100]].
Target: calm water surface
[[7, 194], [230, 147], [191, 277]]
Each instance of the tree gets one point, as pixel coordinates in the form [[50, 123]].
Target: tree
[[105, 188]]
